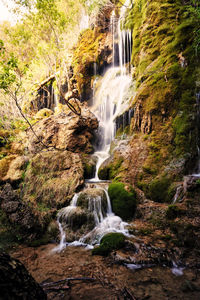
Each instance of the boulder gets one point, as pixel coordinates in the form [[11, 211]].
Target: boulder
[[16, 169], [16, 282], [52, 178], [65, 131]]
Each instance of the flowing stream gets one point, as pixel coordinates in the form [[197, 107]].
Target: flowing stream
[[109, 101]]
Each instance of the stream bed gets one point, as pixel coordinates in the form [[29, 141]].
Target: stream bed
[[112, 280]]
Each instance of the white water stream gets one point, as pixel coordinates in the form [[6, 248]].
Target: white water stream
[[109, 102]]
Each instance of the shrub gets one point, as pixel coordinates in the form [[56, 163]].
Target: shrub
[[123, 201]]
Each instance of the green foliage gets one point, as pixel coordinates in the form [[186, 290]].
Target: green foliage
[[123, 201], [110, 241]]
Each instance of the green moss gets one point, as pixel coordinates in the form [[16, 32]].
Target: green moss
[[123, 201], [158, 189], [165, 62], [111, 169], [110, 241]]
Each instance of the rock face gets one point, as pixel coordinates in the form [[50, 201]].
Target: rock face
[[52, 178], [21, 216], [16, 282], [65, 131]]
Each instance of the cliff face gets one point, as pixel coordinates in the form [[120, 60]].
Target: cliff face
[[164, 60], [164, 127]]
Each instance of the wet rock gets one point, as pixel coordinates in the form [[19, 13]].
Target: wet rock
[[76, 218], [65, 131], [91, 198], [22, 217], [89, 165], [111, 167], [16, 282]]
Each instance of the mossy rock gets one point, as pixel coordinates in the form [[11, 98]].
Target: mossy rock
[[158, 190], [77, 218], [123, 201], [110, 241], [111, 167], [90, 198], [89, 166], [172, 212]]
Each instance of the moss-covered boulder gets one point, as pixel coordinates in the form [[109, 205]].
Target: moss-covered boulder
[[173, 211], [51, 179], [159, 190], [123, 200], [109, 242]]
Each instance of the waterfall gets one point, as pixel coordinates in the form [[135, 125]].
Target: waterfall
[[110, 100], [104, 223]]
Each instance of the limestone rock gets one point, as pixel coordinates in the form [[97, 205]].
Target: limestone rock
[[16, 282], [65, 131]]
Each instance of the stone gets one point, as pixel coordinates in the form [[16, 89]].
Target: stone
[[90, 196], [52, 178], [16, 169], [16, 282], [65, 131]]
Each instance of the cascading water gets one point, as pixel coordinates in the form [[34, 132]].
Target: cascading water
[[110, 100]]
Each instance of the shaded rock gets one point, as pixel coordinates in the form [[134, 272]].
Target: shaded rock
[[52, 178], [22, 217], [89, 165], [79, 220], [65, 131], [123, 200], [16, 282]]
